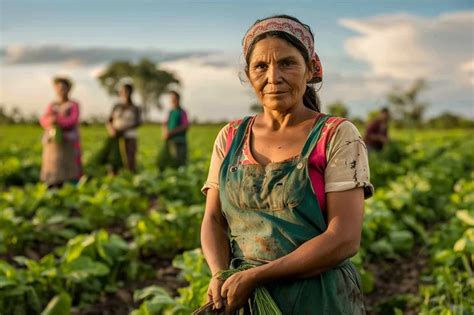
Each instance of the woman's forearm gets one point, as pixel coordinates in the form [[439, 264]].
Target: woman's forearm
[[215, 245], [310, 259], [214, 238], [177, 130], [71, 120]]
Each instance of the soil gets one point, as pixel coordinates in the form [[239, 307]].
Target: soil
[[121, 302], [395, 280]]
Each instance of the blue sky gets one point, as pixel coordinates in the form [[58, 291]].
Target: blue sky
[[186, 25], [217, 27]]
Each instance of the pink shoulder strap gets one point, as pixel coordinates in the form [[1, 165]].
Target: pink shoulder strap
[[233, 126], [318, 156]]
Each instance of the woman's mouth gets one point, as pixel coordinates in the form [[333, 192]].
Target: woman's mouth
[[276, 92]]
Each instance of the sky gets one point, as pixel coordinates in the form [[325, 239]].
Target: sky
[[366, 48]]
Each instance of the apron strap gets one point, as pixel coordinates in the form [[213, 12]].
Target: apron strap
[[237, 140], [313, 136]]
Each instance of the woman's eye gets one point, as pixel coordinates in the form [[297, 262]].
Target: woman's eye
[[286, 63], [260, 66]]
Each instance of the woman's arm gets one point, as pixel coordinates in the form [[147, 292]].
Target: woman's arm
[[177, 130], [71, 120], [340, 241], [215, 243], [214, 239], [46, 120]]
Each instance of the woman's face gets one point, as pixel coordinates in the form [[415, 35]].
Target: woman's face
[[62, 90], [124, 93], [278, 73]]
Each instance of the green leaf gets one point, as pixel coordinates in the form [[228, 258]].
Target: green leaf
[[102, 237], [76, 246], [32, 299], [382, 248], [5, 282], [59, 305], [147, 292], [84, 267], [460, 245], [465, 217], [402, 241], [368, 281]]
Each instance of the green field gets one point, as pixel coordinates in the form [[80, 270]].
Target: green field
[[129, 244]]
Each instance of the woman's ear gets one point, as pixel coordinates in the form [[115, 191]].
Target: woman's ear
[[310, 70]]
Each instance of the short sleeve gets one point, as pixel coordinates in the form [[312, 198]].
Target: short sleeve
[[218, 155], [184, 118], [347, 161]]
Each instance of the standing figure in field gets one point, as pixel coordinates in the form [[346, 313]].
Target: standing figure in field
[[61, 160], [120, 149], [175, 150], [376, 134], [286, 188]]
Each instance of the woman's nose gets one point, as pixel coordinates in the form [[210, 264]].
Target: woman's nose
[[273, 74]]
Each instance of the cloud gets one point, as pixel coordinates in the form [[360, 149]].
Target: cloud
[[404, 46], [222, 60], [210, 92], [73, 56]]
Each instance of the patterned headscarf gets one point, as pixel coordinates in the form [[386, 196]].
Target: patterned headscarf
[[291, 27]]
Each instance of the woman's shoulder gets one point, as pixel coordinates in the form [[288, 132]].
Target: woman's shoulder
[[346, 130], [227, 133], [74, 103], [344, 133], [230, 127]]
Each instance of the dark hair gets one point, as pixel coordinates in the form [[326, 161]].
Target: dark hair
[[385, 110], [128, 87], [310, 98], [176, 94], [63, 80]]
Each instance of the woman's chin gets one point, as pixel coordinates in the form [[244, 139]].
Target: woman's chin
[[280, 106]]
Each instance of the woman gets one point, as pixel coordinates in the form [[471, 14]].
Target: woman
[[175, 150], [286, 188], [121, 147], [376, 134], [61, 144]]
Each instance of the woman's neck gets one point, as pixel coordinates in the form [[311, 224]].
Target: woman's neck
[[63, 101], [127, 102], [276, 120]]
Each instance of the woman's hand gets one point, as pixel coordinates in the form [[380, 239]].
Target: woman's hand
[[237, 290], [167, 135], [52, 119], [214, 293], [110, 130]]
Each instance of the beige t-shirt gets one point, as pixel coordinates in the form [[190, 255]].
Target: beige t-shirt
[[347, 161], [124, 117]]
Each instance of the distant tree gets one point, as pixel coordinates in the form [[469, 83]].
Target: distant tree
[[149, 81], [338, 109], [406, 107], [373, 114], [358, 121], [4, 117], [256, 108], [16, 115], [450, 120]]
